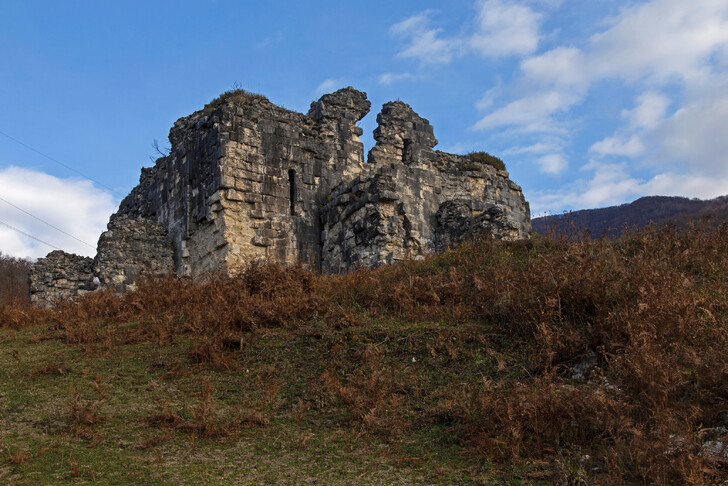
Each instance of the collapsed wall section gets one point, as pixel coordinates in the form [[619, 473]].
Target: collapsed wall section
[[60, 276], [129, 248], [417, 201]]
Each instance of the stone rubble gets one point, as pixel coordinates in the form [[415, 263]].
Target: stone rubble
[[60, 276]]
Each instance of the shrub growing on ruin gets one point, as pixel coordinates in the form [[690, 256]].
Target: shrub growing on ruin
[[235, 96], [486, 158]]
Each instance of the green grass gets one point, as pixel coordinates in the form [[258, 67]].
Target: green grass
[[310, 437], [454, 370]]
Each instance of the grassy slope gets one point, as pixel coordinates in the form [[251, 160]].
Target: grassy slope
[[308, 439], [455, 370]]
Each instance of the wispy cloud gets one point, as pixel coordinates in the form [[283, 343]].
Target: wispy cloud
[[654, 47], [502, 28], [536, 148], [532, 113], [505, 28], [650, 110], [676, 39], [422, 42], [329, 85], [696, 133], [389, 78], [626, 147], [552, 163]]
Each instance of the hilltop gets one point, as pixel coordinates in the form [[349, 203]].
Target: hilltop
[[613, 220], [545, 360]]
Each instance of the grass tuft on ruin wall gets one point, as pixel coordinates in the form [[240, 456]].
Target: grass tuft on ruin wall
[[485, 158], [554, 360], [237, 96]]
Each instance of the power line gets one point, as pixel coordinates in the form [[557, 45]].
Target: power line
[[47, 223], [29, 236], [60, 163]]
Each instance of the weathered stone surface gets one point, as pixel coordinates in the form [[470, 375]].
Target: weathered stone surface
[[129, 248], [248, 180], [402, 136], [60, 276], [416, 200]]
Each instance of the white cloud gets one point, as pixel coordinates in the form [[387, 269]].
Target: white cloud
[[552, 164], [629, 141], [490, 97], [563, 67], [73, 205], [661, 39], [656, 42], [532, 113], [649, 112], [696, 133], [389, 78], [630, 147], [423, 42], [658, 47], [536, 148], [505, 28], [329, 85]]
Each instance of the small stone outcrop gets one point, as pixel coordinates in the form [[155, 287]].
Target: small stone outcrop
[[248, 180], [60, 276]]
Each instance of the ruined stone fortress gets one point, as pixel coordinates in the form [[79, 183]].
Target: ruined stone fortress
[[247, 180]]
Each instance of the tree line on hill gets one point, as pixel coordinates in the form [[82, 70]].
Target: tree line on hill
[[14, 279], [614, 220]]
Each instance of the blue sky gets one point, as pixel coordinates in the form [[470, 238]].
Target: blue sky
[[589, 103]]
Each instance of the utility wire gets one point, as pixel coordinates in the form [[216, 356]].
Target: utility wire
[[46, 222], [29, 236], [60, 163]]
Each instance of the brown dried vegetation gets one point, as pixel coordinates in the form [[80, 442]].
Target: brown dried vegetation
[[608, 358], [84, 414]]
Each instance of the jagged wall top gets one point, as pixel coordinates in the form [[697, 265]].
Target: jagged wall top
[[345, 104], [402, 136], [246, 179]]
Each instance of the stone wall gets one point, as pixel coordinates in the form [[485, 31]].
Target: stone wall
[[247, 180], [416, 201], [129, 248], [60, 276]]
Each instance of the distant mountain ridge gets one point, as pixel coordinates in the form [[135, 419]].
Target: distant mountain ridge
[[613, 220]]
